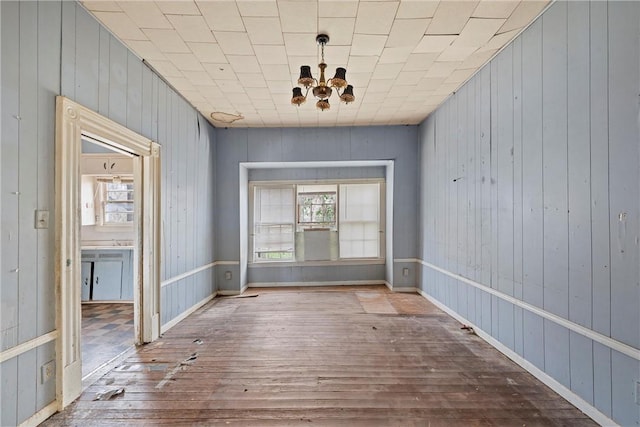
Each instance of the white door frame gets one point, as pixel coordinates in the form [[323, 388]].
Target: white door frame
[[73, 121]]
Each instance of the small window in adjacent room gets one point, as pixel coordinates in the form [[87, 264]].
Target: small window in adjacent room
[[117, 202]]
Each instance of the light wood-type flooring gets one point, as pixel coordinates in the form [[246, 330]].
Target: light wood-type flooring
[[341, 356]]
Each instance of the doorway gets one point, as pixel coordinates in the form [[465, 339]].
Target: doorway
[[75, 123]]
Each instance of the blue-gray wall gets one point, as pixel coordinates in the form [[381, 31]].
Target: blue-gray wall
[[530, 186], [54, 48], [398, 143]]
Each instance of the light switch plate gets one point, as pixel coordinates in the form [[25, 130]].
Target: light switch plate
[[42, 219]]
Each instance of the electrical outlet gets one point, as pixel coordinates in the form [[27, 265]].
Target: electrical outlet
[[227, 275], [405, 272], [42, 219], [47, 371]]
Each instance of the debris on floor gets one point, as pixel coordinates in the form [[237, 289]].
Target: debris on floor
[[468, 329], [198, 341], [110, 394]]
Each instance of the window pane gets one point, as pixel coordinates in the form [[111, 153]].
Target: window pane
[[273, 223], [359, 230]]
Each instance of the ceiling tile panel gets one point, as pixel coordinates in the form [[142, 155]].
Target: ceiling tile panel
[[168, 41], [185, 61], [165, 68], [523, 15], [478, 59], [337, 9], [300, 44], [145, 49], [264, 30], [407, 32], [234, 43], [102, 6], [459, 76], [451, 17], [192, 28], [495, 8], [221, 15], [121, 25], [220, 72], [395, 55], [271, 54], [258, 8], [145, 14], [362, 63], [409, 77], [455, 53], [244, 63], [417, 9], [199, 78], [432, 44], [339, 30], [387, 71], [231, 86], [499, 40], [478, 32], [181, 7], [375, 17], [298, 16], [275, 71], [442, 69], [252, 80], [420, 61], [364, 44], [208, 52], [296, 61]]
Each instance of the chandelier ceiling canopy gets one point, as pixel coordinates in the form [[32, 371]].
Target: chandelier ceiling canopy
[[322, 89]]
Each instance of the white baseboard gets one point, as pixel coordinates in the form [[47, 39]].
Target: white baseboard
[[173, 322], [563, 391], [230, 292], [310, 284], [40, 416]]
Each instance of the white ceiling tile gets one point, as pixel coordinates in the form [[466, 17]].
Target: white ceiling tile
[[259, 94], [395, 55], [295, 62], [409, 77], [199, 78], [407, 32], [451, 17], [271, 54], [258, 7], [442, 69], [339, 30], [432, 44], [275, 71], [386, 71], [165, 68], [430, 83], [300, 44], [460, 76], [180, 83], [211, 92], [180, 7], [168, 41], [358, 80], [446, 89], [478, 32], [234, 43], [145, 49], [495, 8], [336, 56], [194, 96], [102, 6], [524, 13], [456, 53], [121, 25], [220, 72], [380, 85], [192, 28], [207, 52], [364, 44], [230, 86], [375, 17], [362, 63], [417, 9], [276, 87], [244, 63], [420, 61], [298, 16], [478, 59], [499, 40], [264, 30], [374, 98], [145, 14], [185, 61], [221, 15], [252, 80]]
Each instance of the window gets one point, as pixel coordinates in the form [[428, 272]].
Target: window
[[288, 217], [117, 202], [273, 233]]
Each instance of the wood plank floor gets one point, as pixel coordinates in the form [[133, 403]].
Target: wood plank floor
[[347, 356]]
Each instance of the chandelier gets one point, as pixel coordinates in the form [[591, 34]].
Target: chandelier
[[322, 88]]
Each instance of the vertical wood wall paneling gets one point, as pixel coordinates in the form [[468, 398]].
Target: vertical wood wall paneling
[[555, 181], [578, 162], [27, 380], [485, 126], [479, 183], [599, 162], [10, 199], [517, 195], [49, 27], [451, 238], [461, 200], [471, 179], [624, 199], [118, 56], [27, 183], [87, 64], [68, 53], [503, 145], [493, 167], [180, 143], [164, 164], [104, 70], [10, 154], [134, 93], [532, 190]]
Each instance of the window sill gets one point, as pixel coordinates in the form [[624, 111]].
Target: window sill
[[361, 261]]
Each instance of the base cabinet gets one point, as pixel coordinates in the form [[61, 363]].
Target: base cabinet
[[107, 275]]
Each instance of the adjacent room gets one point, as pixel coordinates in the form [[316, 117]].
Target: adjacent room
[[283, 212]]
